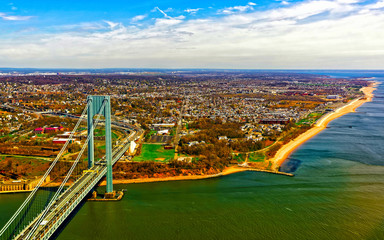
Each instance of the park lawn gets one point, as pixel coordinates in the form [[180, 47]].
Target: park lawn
[[35, 166], [304, 121], [315, 115], [8, 135], [256, 157], [310, 119], [239, 157], [24, 159], [101, 132], [155, 152]]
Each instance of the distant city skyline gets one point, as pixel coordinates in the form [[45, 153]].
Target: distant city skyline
[[340, 34]]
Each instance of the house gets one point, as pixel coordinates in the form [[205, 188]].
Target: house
[[333, 97], [163, 132], [223, 138], [64, 135], [274, 121], [60, 140], [193, 143], [163, 125]]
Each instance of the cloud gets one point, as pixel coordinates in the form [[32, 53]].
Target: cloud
[[308, 9], [348, 1], [252, 4], [308, 34], [169, 17], [192, 10], [377, 5], [231, 10], [161, 11], [14, 18], [168, 10], [111, 25], [167, 21], [13, 7], [138, 18]]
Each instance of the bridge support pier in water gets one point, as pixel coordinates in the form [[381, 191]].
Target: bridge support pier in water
[[96, 103]]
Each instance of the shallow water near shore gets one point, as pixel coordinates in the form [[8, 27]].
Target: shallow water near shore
[[337, 193]]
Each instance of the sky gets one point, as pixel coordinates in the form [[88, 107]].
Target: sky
[[228, 34]]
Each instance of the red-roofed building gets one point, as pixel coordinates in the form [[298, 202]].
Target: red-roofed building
[[50, 129], [39, 130]]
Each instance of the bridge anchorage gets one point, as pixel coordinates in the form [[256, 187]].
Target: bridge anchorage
[[45, 209]]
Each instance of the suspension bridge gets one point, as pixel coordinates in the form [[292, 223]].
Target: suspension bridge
[[45, 209]]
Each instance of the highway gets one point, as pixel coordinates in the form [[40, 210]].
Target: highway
[[121, 125]]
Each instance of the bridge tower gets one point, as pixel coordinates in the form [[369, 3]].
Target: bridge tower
[[95, 105]]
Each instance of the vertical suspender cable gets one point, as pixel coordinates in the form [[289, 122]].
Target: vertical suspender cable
[[58, 192], [45, 175]]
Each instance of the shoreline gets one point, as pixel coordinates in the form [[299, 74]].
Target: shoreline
[[321, 124], [281, 155], [227, 171]]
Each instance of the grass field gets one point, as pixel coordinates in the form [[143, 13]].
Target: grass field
[[239, 157], [101, 132], [35, 165], [154, 152], [252, 157], [256, 157], [8, 135], [310, 119], [24, 158]]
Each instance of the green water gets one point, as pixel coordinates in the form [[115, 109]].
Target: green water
[[337, 193], [242, 206]]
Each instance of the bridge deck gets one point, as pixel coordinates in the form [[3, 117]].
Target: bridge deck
[[71, 198]]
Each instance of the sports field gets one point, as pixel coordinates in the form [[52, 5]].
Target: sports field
[[154, 152]]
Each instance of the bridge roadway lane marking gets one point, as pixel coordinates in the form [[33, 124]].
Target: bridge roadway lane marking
[[53, 210], [61, 201], [59, 205]]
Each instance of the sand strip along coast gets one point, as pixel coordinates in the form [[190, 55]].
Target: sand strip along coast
[[321, 124], [227, 171]]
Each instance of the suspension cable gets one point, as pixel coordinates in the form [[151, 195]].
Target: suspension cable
[[58, 192], [46, 173]]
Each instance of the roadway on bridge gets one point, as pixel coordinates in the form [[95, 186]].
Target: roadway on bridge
[[67, 198]]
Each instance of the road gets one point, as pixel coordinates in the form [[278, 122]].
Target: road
[[68, 200]]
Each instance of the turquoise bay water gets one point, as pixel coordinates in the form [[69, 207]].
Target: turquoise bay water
[[337, 193]]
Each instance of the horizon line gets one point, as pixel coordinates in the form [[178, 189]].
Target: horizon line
[[187, 68]]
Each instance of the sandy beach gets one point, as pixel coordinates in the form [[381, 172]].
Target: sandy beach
[[227, 171], [321, 124]]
